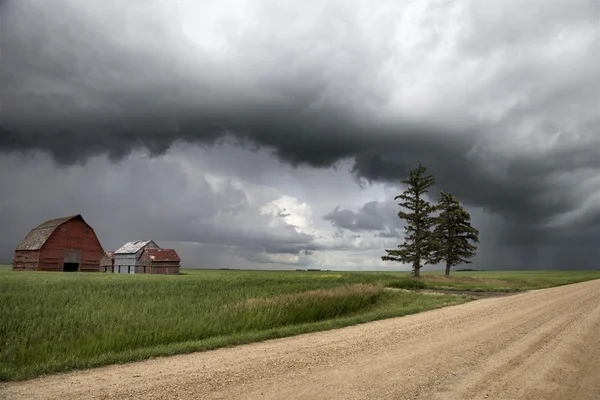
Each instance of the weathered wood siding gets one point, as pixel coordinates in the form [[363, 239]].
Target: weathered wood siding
[[107, 262], [26, 260], [74, 241], [164, 269], [160, 266], [125, 263], [150, 245]]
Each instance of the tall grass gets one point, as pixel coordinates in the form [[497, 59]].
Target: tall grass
[[51, 322], [54, 322], [407, 283], [297, 308]]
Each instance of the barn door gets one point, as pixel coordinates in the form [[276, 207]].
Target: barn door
[[71, 260], [72, 257]]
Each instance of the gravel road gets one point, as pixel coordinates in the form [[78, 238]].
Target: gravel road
[[542, 344]]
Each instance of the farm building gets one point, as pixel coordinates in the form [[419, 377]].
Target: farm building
[[127, 258], [63, 244], [107, 262], [159, 261]]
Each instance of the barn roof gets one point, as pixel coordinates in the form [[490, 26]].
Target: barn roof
[[162, 255], [36, 238], [132, 247]]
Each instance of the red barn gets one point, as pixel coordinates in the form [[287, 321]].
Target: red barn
[[62, 244], [159, 261]]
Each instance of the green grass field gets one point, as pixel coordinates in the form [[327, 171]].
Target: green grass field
[[505, 281], [54, 322]]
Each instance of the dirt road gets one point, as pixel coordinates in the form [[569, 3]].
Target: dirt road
[[539, 345]]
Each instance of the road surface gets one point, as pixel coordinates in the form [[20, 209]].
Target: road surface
[[538, 345]]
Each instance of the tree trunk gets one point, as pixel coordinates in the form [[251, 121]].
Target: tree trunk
[[447, 268], [417, 267]]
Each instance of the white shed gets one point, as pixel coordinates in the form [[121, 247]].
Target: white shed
[[127, 257]]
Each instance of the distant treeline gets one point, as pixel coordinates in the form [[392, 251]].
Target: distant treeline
[[246, 269], [313, 269]]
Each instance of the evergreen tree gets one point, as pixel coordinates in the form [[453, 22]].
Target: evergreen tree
[[418, 246], [453, 233]]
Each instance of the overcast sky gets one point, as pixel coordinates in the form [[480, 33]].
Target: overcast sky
[[269, 134]]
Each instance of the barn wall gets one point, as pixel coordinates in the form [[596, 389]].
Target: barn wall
[[106, 264], [26, 260], [150, 245], [164, 268], [142, 269], [144, 260], [73, 241], [125, 263]]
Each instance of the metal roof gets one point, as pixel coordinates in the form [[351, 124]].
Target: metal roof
[[36, 238], [132, 247], [162, 254]]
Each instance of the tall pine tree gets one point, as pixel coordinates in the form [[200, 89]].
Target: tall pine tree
[[418, 246], [453, 233]]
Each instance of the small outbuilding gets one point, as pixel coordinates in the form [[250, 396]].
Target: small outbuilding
[[159, 261], [63, 244], [107, 262], [127, 258]]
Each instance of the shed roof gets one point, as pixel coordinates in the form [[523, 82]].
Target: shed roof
[[36, 238], [132, 247], [162, 254]]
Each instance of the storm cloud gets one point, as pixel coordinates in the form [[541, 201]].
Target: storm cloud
[[500, 101]]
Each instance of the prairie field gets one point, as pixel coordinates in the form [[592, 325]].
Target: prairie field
[[505, 281], [53, 322]]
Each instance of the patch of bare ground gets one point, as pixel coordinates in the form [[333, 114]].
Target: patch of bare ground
[[542, 344], [471, 293]]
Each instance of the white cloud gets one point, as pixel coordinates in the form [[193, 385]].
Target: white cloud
[[292, 212]]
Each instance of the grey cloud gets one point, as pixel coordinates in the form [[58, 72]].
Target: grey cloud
[[341, 218], [338, 233], [499, 25], [389, 234], [372, 216]]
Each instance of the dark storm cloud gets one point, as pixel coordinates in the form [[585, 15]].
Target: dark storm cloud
[[526, 190], [517, 136]]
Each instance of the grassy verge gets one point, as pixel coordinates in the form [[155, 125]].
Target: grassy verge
[[56, 322]]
